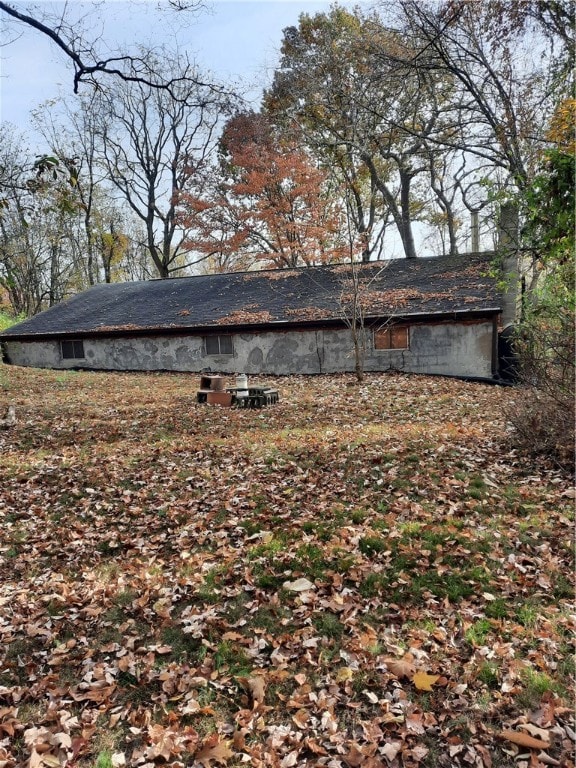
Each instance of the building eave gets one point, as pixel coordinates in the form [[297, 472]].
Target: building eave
[[269, 326]]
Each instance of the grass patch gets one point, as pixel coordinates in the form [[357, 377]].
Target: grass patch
[[535, 686], [497, 609], [328, 625], [232, 659], [372, 545], [488, 675], [185, 647], [104, 760], [478, 633], [373, 585], [358, 516]]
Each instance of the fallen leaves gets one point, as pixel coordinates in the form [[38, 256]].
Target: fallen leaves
[[423, 681], [524, 740], [326, 582], [402, 668], [300, 585], [256, 686]]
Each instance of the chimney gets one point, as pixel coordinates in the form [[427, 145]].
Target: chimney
[[508, 246], [508, 228]]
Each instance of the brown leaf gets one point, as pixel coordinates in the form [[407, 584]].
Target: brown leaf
[[50, 761], [35, 760], [533, 730], [163, 649], [239, 740], [219, 753], [391, 749], [314, 747], [523, 740], [301, 718], [257, 687], [95, 694], [401, 668], [355, 757]]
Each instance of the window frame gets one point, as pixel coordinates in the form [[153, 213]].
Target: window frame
[[390, 337], [74, 350], [218, 339]]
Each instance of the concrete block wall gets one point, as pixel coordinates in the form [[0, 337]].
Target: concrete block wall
[[453, 348]]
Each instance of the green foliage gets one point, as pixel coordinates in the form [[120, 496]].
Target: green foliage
[[488, 674], [550, 204], [7, 320], [544, 424], [373, 585], [498, 609], [232, 658], [477, 634], [328, 625]]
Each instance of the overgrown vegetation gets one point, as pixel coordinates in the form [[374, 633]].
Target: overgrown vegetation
[[6, 320], [359, 575], [546, 342]]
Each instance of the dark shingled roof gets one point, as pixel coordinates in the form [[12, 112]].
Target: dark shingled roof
[[429, 286]]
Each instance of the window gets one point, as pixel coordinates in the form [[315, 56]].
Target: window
[[72, 349], [218, 345], [395, 337]]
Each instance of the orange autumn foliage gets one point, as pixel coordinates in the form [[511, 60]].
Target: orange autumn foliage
[[267, 203]]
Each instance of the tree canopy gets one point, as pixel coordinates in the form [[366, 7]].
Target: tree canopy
[[380, 134], [277, 200]]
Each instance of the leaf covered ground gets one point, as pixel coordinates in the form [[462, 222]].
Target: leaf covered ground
[[361, 575]]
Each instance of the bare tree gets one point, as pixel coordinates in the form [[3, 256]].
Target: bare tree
[[151, 140], [502, 91], [35, 260]]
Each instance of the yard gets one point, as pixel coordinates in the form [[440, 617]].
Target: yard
[[361, 575]]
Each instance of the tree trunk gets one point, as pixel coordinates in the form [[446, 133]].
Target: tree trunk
[[405, 224]]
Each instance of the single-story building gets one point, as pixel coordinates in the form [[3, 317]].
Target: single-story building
[[430, 315]]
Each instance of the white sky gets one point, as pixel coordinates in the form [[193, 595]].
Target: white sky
[[233, 39]]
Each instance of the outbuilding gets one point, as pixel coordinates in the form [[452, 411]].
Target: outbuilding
[[430, 315]]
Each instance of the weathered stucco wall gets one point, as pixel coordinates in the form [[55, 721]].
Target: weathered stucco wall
[[460, 349]]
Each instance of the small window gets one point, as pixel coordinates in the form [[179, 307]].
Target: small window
[[395, 337], [218, 345], [72, 349]]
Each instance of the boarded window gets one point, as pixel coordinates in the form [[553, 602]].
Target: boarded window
[[72, 349], [395, 337], [218, 345]]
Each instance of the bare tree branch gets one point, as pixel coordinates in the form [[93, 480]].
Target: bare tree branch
[[129, 68]]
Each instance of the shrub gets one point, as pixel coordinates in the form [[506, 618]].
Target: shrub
[[544, 418], [544, 421], [6, 320]]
